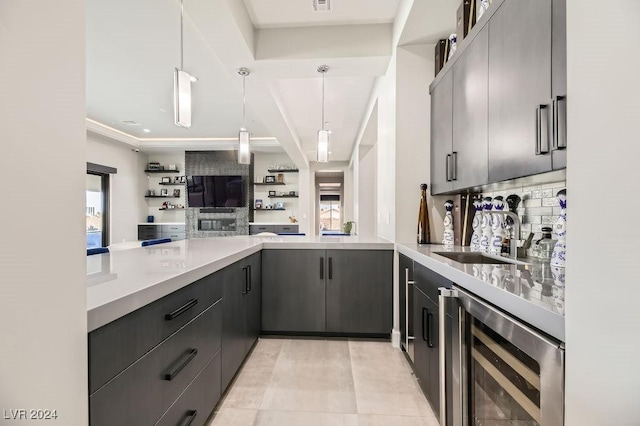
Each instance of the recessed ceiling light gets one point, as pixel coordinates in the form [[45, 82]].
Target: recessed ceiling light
[[329, 184], [146, 130], [322, 5], [131, 122]]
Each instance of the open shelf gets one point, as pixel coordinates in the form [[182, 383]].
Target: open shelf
[[177, 208], [162, 171], [273, 183], [283, 171], [268, 210], [172, 183], [283, 196], [160, 196]]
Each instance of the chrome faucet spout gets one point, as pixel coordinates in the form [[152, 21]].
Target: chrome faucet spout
[[513, 242]]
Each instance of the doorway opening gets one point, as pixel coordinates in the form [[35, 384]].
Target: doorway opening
[[329, 201]]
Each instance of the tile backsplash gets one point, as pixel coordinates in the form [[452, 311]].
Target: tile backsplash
[[538, 208]]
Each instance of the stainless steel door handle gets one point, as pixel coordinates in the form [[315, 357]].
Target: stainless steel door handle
[[559, 122], [542, 129], [448, 168], [444, 293], [454, 167]]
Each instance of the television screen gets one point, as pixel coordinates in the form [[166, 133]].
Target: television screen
[[215, 191]]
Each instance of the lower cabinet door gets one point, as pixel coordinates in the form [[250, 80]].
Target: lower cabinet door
[[359, 291], [144, 391], [234, 293], [421, 327], [197, 401], [293, 290], [253, 301]]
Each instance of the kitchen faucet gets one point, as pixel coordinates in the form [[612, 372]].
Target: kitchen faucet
[[513, 242]]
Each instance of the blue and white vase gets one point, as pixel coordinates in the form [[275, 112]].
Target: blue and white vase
[[477, 226], [559, 255], [498, 227], [485, 239], [447, 237]]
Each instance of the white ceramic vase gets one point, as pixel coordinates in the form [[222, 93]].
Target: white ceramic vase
[[476, 224], [485, 239], [498, 227], [559, 255], [447, 237]]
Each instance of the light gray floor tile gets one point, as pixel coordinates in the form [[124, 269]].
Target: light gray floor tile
[[377, 420], [234, 417], [301, 418], [309, 400], [244, 397], [393, 404]]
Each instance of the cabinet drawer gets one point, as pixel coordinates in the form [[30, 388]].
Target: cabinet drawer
[[172, 228], [256, 229], [175, 236], [198, 400], [148, 228], [285, 228], [428, 281], [114, 346], [145, 390]]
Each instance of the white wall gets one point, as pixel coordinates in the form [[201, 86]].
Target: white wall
[[386, 155], [602, 314], [127, 187], [414, 73], [367, 180], [43, 316]]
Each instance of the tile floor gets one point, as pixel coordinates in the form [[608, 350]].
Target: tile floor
[[324, 383]]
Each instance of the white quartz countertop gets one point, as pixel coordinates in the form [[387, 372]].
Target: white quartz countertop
[[533, 293], [125, 280]]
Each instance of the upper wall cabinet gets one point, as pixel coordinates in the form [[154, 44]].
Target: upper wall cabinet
[[470, 94], [519, 89], [503, 95]]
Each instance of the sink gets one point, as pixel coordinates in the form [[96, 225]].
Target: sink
[[475, 257]]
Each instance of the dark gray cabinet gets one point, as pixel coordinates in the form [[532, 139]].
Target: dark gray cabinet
[[359, 291], [442, 135], [426, 362], [470, 163], [332, 291], [293, 295], [519, 89], [241, 317], [146, 389], [559, 83]]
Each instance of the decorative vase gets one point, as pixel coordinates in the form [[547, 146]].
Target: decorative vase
[[347, 227], [447, 238], [498, 227], [424, 236], [559, 255], [476, 225], [485, 239]]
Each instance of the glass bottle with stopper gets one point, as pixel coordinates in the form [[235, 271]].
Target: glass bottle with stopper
[[558, 257], [424, 235], [477, 225], [448, 237]]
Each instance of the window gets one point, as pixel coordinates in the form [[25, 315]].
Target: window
[[330, 213], [97, 205]]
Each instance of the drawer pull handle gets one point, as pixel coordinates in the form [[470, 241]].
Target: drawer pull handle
[[181, 310], [190, 417], [186, 359], [330, 268]]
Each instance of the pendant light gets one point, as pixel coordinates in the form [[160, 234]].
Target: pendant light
[[182, 84], [323, 135], [244, 139]]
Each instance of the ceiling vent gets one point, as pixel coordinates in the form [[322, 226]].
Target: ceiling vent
[[322, 5]]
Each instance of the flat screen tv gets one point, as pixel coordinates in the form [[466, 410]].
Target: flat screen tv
[[215, 191]]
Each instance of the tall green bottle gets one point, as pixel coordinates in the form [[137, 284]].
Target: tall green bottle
[[424, 235]]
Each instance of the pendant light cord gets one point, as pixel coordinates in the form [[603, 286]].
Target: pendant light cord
[[244, 100], [181, 35], [323, 101]]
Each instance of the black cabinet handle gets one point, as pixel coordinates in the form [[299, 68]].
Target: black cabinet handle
[[425, 324], [330, 268], [448, 168], [245, 269], [322, 268], [559, 122], [249, 267], [429, 331], [186, 359], [189, 418], [181, 310], [454, 167]]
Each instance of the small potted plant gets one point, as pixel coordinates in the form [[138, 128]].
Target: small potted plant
[[346, 227]]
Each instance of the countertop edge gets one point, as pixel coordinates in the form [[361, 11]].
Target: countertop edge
[[549, 322]]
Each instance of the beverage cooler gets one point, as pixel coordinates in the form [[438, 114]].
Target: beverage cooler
[[504, 372]]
